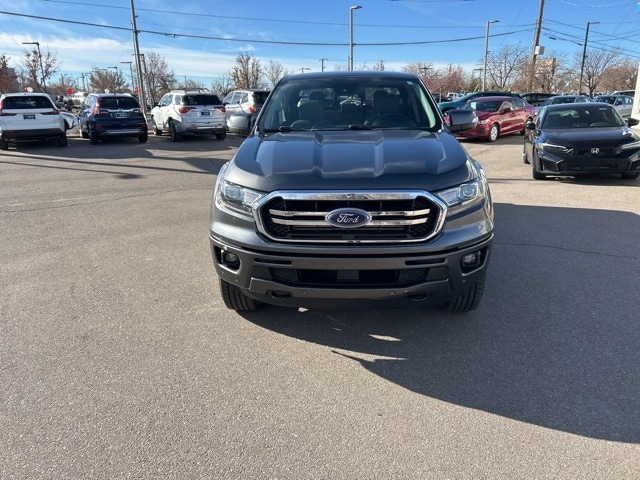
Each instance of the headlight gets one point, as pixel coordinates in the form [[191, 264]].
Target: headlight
[[235, 197], [630, 146], [465, 196], [482, 122], [550, 147]]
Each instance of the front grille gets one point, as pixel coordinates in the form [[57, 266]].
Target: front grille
[[395, 217], [360, 278]]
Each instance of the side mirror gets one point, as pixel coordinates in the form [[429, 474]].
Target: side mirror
[[632, 121], [506, 110], [462, 119], [530, 126]]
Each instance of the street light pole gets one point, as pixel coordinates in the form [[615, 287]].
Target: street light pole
[[486, 53], [351, 9], [584, 54], [44, 82]]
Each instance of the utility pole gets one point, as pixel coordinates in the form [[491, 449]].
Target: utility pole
[[143, 96], [532, 70], [322, 60]]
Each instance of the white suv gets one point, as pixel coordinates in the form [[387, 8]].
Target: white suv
[[196, 112], [30, 116]]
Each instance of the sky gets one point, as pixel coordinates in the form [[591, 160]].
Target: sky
[[201, 39]]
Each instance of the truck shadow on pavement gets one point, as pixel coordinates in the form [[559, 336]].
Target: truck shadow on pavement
[[554, 342]]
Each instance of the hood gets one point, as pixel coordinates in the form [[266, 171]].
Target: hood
[[350, 160], [589, 137]]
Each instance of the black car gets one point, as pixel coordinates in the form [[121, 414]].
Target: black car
[[112, 115], [536, 98], [581, 138]]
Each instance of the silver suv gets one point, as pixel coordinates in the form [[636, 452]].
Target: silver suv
[[189, 112], [30, 116], [242, 108]]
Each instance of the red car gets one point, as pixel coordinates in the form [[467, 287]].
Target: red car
[[498, 116]]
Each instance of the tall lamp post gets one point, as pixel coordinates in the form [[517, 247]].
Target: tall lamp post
[[486, 53], [37, 44], [351, 9], [584, 54]]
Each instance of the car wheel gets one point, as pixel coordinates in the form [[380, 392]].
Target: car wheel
[[630, 176], [494, 131], [4, 145], [143, 137], [524, 154], [221, 136], [156, 130], [93, 137], [536, 174], [175, 135], [84, 134], [236, 300], [62, 141], [468, 300]]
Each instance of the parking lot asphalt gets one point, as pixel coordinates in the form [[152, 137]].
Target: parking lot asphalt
[[118, 358]]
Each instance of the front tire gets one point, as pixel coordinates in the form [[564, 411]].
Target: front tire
[[4, 145], [236, 300], [469, 300], [156, 130], [494, 132]]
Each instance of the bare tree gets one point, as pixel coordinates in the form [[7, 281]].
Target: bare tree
[[621, 76], [595, 64], [60, 85], [40, 66], [502, 66], [156, 74], [273, 72], [8, 78], [247, 72], [222, 85], [103, 80]]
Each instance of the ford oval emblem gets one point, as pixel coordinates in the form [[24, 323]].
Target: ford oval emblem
[[348, 218]]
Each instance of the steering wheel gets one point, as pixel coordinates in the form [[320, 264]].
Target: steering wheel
[[393, 120]]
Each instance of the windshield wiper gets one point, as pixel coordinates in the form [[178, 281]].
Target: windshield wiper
[[359, 126]]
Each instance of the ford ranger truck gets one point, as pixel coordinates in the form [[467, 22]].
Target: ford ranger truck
[[352, 191]]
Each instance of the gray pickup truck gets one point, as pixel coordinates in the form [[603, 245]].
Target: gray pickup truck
[[351, 190]]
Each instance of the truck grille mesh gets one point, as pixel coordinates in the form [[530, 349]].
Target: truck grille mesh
[[412, 217]]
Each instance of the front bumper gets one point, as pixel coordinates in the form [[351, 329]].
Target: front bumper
[[589, 164], [301, 277]]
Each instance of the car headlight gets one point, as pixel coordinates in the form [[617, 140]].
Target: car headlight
[[465, 196], [630, 146], [235, 197], [482, 122], [550, 147]]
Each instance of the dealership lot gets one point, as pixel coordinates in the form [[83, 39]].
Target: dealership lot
[[118, 358]]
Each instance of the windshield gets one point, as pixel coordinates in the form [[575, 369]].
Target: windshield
[[592, 115], [342, 103], [483, 105]]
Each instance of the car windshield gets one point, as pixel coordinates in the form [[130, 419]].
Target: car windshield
[[583, 116], [349, 102], [259, 97], [119, 103], [483, 105], [26, 102], [200, 99]]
